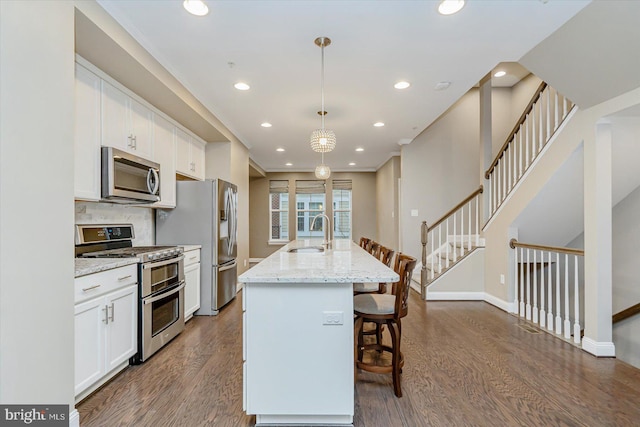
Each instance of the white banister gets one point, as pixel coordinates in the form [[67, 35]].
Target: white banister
[[534, 287], [526, 142]]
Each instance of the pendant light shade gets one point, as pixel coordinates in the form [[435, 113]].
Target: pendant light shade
[[323, 140], [323, 171]]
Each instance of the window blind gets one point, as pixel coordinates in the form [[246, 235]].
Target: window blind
[[309, 187], [341, 184], [279, 186]]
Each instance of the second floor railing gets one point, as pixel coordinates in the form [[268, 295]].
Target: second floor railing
[[547, 283], [540, 120]]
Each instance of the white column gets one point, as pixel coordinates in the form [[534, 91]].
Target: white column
[[597, 236], [485, 145]]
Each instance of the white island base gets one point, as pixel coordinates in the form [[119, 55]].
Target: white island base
[[298, 334], [299, 353]]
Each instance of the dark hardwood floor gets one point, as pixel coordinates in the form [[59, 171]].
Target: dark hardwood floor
[[466, 364]]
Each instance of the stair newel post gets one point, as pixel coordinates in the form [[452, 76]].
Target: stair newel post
[[543, 314], [515, 275], [550, 295], [576, 296], [424, 230], [567, 322]]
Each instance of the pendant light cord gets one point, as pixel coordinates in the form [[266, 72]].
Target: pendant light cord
[[322, 113]]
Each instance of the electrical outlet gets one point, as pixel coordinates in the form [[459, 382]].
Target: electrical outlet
[[502, 279], [332, 317]]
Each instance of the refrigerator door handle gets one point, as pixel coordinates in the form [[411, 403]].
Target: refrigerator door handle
[[227, 267]]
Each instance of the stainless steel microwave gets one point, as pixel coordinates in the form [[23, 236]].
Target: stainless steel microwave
[[127, 178]]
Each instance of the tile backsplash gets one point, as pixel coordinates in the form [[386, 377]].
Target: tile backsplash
[[109, 213]]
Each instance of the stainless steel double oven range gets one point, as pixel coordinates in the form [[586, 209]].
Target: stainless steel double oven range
[[160, 281]]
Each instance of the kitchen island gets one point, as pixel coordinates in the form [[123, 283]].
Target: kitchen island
[[298, 332]]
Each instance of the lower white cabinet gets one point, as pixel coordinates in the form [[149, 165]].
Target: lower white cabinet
[[105, 326], [192, 286]]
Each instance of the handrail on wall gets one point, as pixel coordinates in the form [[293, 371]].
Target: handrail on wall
[[513, 243], [625, 314], [520, 121]]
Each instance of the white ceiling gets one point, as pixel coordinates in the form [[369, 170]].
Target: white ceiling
[[374, 44]]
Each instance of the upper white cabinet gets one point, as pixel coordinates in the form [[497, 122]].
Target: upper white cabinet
[[189, 155], [126, 123], [87, 135], [164, 152]]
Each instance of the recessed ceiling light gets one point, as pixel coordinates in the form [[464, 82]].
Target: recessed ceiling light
[[266, 125], [500, 74], [449, 7], [378, 124], [402, 85], [352, 164], [241, 86], [280, 149], [289, 164], [359, 149], [196, 7]]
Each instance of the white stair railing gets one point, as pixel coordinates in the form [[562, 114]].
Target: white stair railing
[[551, 276], [543, 116], [450, 238]]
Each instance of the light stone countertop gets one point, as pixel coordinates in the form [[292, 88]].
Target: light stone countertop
[[346, 262], [86, 266]]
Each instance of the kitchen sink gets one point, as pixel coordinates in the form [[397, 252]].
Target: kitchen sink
[[307, 249]]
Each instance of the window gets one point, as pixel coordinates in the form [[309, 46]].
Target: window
[[342, 209], [279, 210], [310, 202]]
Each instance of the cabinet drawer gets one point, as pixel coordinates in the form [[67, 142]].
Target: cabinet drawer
[[97, 284], [191, 257]]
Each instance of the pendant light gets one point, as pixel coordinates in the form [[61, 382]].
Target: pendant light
[[322, 140]]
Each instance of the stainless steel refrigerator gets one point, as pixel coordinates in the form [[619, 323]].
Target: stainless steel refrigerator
[[205, 214]]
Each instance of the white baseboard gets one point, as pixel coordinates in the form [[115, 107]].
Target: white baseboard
[[501, 304], [74, 418], [598, 349], [455, 296]]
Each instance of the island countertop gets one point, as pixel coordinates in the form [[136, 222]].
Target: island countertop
[[346, 262]]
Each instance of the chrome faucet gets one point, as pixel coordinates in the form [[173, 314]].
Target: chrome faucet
[[326, 228]]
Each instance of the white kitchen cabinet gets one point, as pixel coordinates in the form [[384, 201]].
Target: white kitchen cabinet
[[192, 279], [164, 152], [189, 155], [105, 326], [126, 123], [87, 135]]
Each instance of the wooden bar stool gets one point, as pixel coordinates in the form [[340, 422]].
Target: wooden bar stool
[[385, 255], [385, 309]]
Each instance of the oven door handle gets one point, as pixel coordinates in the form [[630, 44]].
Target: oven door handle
[[165, 294], [154, 264]]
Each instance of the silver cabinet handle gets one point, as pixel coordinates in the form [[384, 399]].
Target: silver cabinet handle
[[130, 138], [122, 278], [112, 312], [192, 258], [106, 314], [90, 287], [135, 142]]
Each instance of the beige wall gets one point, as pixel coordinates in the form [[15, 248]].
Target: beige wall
[[387, 201], [439, 169], [36, 202], [364, 215]]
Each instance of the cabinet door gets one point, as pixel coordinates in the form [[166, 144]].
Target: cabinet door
[[191, 289], [183, 152], [164, 153], [197, 160], [141, 128], [87, 135], [122, 338], [89, 343], [115, 118]]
